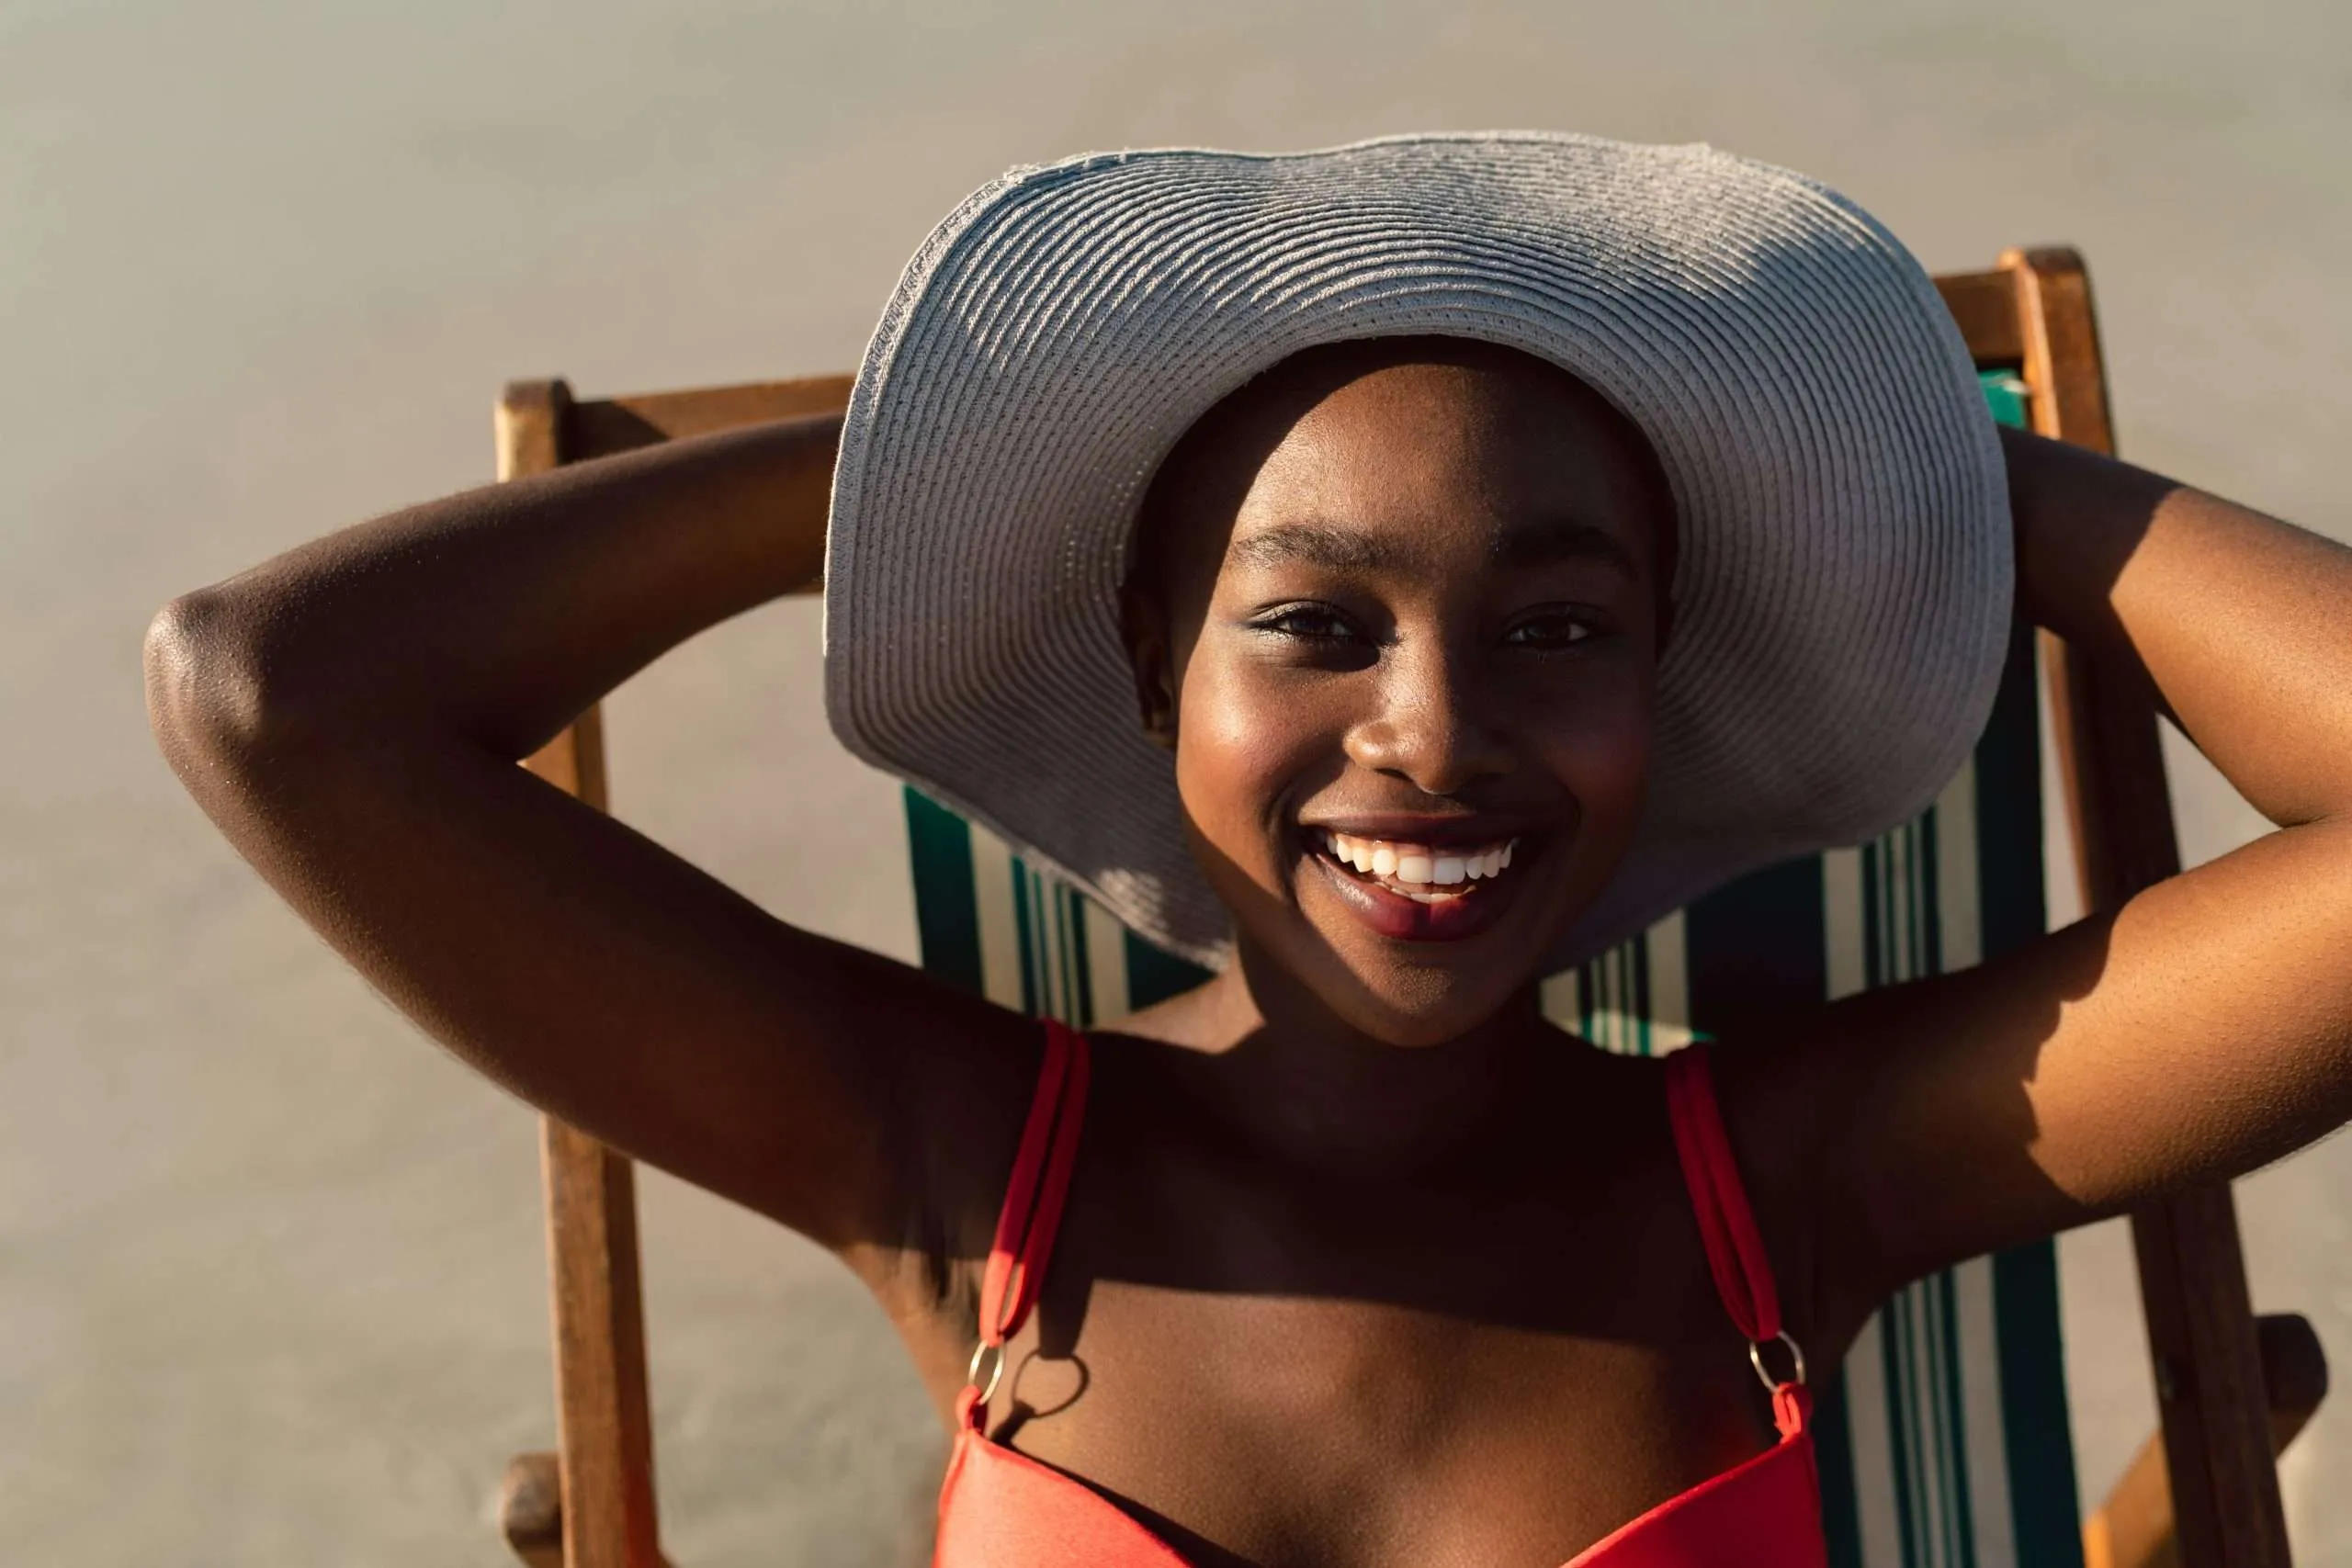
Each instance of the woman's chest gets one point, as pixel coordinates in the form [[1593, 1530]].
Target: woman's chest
[[1288, 1430], [1447, 1369]]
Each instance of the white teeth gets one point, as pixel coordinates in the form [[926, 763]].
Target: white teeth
[[1418, 863]]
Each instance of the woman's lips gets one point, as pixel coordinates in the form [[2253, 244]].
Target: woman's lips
[[1412, 891]]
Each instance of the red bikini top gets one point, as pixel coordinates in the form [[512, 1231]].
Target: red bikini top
[[998, 1508]]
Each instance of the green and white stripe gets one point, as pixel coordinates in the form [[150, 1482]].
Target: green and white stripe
[[1632, 999], [1045, 948]]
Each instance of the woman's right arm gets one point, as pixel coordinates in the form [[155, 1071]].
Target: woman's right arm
[[351, 713]]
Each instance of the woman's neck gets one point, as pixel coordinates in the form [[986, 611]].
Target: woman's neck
[[1284, 1074]]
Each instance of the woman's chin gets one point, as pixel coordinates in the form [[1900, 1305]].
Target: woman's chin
[[1429, 999]]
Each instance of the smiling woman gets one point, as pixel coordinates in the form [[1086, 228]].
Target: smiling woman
[[1284, 550], [1407, 592]]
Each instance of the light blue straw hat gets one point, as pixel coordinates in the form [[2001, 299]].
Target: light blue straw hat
[[1844, 589]]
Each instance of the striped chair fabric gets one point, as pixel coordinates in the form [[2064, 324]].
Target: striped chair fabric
[[1944, 1439]]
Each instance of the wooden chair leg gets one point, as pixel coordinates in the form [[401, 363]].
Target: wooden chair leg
[[604, 1424], [530, 1510], [2133, 1528], [597, 1511], [604, 1427]]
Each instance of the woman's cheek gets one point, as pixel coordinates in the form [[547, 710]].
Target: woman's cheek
[[1241, 746]]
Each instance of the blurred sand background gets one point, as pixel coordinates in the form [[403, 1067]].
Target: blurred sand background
[[271, 1277]]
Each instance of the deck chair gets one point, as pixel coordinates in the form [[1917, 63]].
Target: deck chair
[[1944, 1437]]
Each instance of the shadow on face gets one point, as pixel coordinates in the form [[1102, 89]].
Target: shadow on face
[[1397, 607]]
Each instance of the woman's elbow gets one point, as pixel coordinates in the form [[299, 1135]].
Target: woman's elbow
[[210, 703]]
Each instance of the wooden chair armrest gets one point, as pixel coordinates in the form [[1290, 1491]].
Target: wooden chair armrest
[[2133, 1528]]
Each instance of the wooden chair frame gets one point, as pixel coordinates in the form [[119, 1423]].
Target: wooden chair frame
[[2212, 1478]]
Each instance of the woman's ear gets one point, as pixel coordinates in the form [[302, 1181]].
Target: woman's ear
[[1143, 624]]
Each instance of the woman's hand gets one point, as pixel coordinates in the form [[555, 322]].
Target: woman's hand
[[2201, 1029], [351, 714]]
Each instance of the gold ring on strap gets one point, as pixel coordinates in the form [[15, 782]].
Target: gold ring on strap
[[996, 1368], [1756, 1360]]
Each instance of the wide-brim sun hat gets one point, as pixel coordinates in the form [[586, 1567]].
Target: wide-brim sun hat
[[1843, 589]]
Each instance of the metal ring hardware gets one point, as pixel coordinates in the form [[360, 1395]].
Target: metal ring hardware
[[1756, 1360], [996, 1370]]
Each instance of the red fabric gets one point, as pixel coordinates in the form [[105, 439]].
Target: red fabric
[[1735, 1246], [1033, 1199], [1734, 1250], [998, 1508]]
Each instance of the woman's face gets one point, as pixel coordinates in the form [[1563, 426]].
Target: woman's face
[[1398, 614]]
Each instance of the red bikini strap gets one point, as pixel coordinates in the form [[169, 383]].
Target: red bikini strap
[[1033, 1204], [1734, 1247]]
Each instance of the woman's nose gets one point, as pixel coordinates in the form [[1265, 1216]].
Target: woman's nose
[[1429, 726]]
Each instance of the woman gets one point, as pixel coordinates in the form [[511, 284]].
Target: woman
[[1503, 539]]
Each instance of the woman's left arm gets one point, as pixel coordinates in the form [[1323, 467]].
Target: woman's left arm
[[2201, 1029]]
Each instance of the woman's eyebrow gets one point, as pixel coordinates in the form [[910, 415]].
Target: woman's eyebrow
[[1521, 547], [1316, 544]]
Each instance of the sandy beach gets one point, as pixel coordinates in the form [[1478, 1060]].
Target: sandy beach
[[272, 1285]]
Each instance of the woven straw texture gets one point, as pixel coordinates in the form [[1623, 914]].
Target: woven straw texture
[[1843, 587]]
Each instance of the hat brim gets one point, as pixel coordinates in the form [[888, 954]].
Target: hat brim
[[1845, 580]]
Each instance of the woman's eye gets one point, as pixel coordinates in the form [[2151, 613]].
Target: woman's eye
[[1308, 623], [1549, 629]]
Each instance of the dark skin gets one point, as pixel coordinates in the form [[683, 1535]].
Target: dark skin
[[1352, 1215]]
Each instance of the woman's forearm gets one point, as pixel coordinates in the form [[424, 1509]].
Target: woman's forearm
[[2242, 624], [350, 713], [498, 613]]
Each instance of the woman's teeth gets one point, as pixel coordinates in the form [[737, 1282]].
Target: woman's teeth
[[1419, 871]]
